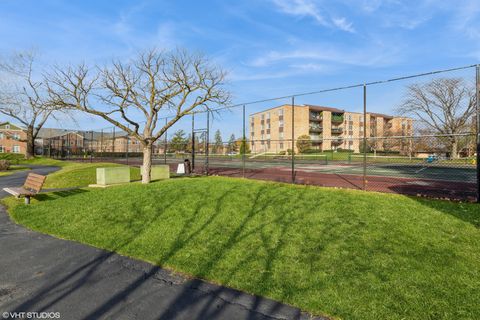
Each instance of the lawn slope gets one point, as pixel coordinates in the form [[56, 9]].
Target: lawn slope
[[344, 253]]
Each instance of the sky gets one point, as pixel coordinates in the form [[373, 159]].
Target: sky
[[268, 47]]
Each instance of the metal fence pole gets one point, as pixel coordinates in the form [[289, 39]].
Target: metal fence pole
[[101, 144], [293, 139], [113, 143], [126, 153], [193, 142], [244, 144], [207, 143], [477, 94], [364, 137], [165, 143], [91, 146]]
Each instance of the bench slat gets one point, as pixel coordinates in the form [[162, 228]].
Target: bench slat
[[34, 182], [19, 192]]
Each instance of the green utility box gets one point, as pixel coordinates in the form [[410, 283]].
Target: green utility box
[[113, 175], [159, 172]]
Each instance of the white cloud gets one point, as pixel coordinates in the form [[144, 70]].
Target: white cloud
[[301, 8], [309, 8], [377, 54], [343, 24]]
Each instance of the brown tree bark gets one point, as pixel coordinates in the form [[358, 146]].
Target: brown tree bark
[[30, 151]]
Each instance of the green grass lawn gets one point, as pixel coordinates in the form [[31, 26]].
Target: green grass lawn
[[343, 253], [81, 174], [73, 174]]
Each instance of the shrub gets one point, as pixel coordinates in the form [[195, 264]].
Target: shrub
[[304, 143], [4, 165], [344, 150], [15, 157], [310, 151]]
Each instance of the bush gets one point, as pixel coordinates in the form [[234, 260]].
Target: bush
[[344, 150], [304, 143], [310, 151], [12, 156], [4, 165], [282, 153]]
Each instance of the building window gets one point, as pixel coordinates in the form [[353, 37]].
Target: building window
[[7, 126], [2, 149], [280, 123], [16, 136], [268, 116], [280, 134], [16, 149], [262, 117], [268, 125], [280, 112], [281, 145]]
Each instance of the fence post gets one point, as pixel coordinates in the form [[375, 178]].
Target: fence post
[[126, 153], [165, 143], [91, 147], [193, 141], [244, 144], [207, 154], [113, 143], [101, 144], [477, 95], [293, 139], [364, 137]]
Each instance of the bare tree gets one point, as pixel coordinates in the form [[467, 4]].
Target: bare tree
[[23, 96], [443, 105], [153, 84]]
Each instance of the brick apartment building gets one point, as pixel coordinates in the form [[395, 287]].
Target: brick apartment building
[[328, 128], [10, 136], [56, 142]]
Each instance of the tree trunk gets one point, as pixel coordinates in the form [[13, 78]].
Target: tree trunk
[[30, 151], [147, 163], [454, 147]]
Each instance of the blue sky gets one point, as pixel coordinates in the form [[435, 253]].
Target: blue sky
[[269, 47]]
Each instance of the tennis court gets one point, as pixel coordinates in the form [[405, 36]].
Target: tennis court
[[400, 167], [454, 179]]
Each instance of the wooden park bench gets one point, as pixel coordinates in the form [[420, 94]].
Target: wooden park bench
[[32, 186]]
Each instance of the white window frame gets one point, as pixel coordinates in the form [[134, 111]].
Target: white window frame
[[16, 149]]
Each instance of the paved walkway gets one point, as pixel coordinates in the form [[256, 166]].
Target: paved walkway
[[40, 273]]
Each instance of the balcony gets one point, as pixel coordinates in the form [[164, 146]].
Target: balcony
[[337, 117], [337, 130], [316, 116], [315, 128], [316, 137], [337, 141]]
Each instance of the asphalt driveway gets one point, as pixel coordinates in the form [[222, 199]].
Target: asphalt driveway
[[40, 273]]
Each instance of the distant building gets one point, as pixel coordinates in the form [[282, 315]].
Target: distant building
[[12, 138], [329, 128], [63, 142]]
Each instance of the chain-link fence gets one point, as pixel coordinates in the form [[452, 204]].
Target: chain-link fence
[[415, 135]]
